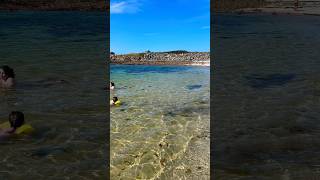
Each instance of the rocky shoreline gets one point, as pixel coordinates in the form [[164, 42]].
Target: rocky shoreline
[[54, 5], [281, 11], [163, 58], [289, 7], [102, 5], [229, 6], [274, 7]]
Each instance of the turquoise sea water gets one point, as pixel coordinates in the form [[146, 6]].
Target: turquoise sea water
[[59, 61], [162, 129], [266, 97]]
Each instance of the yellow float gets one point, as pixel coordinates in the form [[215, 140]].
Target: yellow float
[[24, 129], [117, 103]]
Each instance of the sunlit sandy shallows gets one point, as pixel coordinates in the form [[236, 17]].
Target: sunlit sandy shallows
[[161, 131]]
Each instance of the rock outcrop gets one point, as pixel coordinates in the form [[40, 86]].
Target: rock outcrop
[[163, 58], [45, 5], [232, 5]]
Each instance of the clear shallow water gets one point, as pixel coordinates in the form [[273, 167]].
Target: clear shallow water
[[266, 97], [162, 129], [70, 115]]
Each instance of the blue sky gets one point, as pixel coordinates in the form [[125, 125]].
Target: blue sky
[[159, 25]]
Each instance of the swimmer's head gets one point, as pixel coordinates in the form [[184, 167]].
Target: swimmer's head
[[115, 99], [6, 72], [111, 86], [16, 119]]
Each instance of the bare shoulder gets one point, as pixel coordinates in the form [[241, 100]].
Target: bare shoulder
[[8, 83]]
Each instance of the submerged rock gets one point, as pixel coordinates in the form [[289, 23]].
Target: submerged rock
[[269, 80], [43, 152], [192, 87]]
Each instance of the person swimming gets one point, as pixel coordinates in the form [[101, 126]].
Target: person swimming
[[115, 101], [112, 85], [6, 77], [16, 120]]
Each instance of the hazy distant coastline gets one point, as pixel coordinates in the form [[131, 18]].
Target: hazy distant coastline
[[304, 7], [163, 58], [47, 5], [100, 5], [232, 5], [275, 7]]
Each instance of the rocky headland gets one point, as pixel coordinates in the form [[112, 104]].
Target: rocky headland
[[288, 7], [163, 58], [274, 7], [219, 6], [54, 5], [102, 5]]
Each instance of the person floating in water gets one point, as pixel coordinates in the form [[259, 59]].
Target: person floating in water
[[112, 85], [16, 125], [6, 77], [16, 120], [115, 101]]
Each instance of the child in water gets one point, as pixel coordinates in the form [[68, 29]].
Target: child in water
[[115, 101], [112, 86], [6, 77], [16, 120]]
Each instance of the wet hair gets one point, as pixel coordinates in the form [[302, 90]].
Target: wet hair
[[115, 99], [8, 71], [16, 119], [112, 83]]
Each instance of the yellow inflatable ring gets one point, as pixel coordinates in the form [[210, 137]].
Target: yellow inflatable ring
[[24, 129], [117, 103]]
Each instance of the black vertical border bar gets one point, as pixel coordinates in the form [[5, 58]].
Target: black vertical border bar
[[107, 53], [212, 62]]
